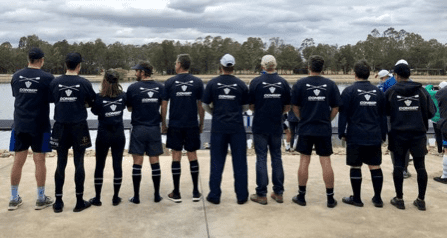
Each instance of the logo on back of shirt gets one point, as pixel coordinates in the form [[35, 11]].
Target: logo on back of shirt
[[368, 95], [272, 88], [150, 92], [28, 84], [113, 107], [68, 92], [227, 90], [184, 87], [408, 101], [316, 90]]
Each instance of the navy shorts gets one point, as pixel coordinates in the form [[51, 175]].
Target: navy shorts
[[179, 138], [146, 140], [323, 145], [356, 155], [39, 143]]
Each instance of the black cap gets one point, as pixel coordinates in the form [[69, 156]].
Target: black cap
[[73, 58], [111, 76], [35, 53], [144, 65]]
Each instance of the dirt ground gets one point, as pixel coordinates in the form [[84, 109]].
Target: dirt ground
[[202, 219]]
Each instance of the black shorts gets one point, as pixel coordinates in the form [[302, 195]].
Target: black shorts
[[401, 142], [179, 138], [356, 155], [39, 143], [323, 145], [66, 135], [146, 140]]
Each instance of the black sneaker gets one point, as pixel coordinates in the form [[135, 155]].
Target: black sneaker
[[296, 199], [216, 202], [82, 207], [58, 206], [441, 180], [157, 198], [135, 200], [95, 201], [399, 203], [420, 204], [196, 197], [175, 197], [241, 202], [332, 204], [116, 201], [350, 200], [377, 202]]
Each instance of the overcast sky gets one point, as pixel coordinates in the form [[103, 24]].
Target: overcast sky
[[142, 21]]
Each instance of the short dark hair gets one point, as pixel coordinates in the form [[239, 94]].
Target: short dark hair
[[228, 69], [71, 65], [316, 63], [403, 70], [361, 69], [184, 60], [72, 60], [146, 68]]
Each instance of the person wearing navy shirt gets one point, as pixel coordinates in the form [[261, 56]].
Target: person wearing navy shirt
[[315, 101], [184, 94], [409, 107], [362, 124], [293, 125], [225, 98], [143, 100], [109, 105], [269, 98], [31, 128], [71, 94]]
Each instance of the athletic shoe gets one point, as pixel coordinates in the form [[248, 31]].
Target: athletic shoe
[[196, 197], [81, 208], [116, 201], [441, 180], [43, 204], [277, 197], [157, 198], [406, 174], [241, 202], [332, 205], [216, 202], [350, 200], [377, 202], [399, 203], [14, 204], [288, 150], [95, 201], [296, 199], [175, 197], [134, 200], [258, 199], [58, 207], [420, 204]]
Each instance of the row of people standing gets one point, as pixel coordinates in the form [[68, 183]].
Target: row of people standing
[[315, 101]]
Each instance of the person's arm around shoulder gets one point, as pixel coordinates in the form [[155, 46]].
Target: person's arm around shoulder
[[164, 109]]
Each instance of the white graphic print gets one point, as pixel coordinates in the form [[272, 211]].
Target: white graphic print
[[68, 92], [184, 85], [227, 90], [22, 78], [317, 92], [408, 101], [367, 96], [28, 84], [74, 87], [272, 89], [150, 92], [113, 107]]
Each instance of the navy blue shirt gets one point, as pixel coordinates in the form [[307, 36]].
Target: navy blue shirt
[[70, 93], [109, 110], [30, 87], [363, 113], [183, 91], [145, 99], [228, 94], [316, 96], [291, 117], [269, 93]]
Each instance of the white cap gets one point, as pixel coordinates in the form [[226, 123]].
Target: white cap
[[383, 73], [442, 84], [227, 60], [268, 61], [402, 61]]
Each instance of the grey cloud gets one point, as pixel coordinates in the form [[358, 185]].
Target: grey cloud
[[195, 6]]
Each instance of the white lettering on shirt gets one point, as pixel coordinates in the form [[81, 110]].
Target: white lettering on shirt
[[311, 98], [184, 94], [149, 100], [366, 103], [415, 108], [68, 99], [227, 97], [272, 95], [27, 90], [113, 114]]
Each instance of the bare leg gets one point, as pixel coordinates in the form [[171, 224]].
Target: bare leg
[[41, 169], [303, 171]]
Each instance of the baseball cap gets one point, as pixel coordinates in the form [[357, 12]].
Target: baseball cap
[[383, 73], [74, 57], [442, 84], [35, 53], [402, 61], [143, 65], [227, 60], [268, 61]]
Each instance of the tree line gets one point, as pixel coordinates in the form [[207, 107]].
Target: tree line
[[381, 50]]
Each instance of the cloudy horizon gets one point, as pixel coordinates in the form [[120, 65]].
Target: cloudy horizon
[[140, 22]]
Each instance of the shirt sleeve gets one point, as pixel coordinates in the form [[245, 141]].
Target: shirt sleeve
[[96, 107], [343, 113], [129, 97], [200, 89], [295, 100], [335, 96], [91, 95], [252, 92], [165, 93], [287, 96], [244, 94], [207, 94]]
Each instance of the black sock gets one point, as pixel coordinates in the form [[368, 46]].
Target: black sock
[[194, 168], [176, 172], [156, 176], [330, 195], [377, 181], [422, 182], [356, 183], [79, 199], [398, 178], [301, 192], [98, 187], [116, 186], [136, 178], [58, 198]]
